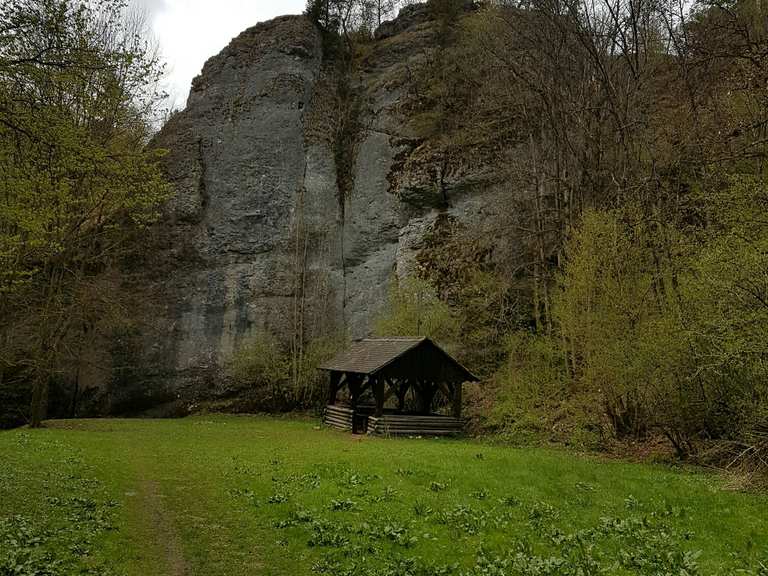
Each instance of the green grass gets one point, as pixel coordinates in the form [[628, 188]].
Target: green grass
[[251, 495]]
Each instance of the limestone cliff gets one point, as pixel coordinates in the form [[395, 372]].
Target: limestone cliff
[[261, 233]]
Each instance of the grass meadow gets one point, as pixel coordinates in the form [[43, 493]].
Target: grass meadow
[[225, 495]]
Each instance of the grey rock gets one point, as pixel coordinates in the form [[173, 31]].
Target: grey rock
[[408, 17], [257, 222]]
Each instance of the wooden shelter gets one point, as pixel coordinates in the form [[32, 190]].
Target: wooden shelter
[[405, 377]]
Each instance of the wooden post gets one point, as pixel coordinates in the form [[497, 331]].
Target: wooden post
[[379, 386], [354, 389], [457, 399], [427, 394], [402, 390], [333, 387]]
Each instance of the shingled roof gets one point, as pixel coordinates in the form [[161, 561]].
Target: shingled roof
[[370, 355]]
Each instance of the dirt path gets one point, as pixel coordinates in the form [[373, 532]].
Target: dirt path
[[166, 538]]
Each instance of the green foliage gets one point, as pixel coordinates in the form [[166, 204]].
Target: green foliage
[[72, 515], [278, 380], [77, 95], [635, 227], [236, 490], [726, 317], [671, 327], [615, 312], [659, 330], [73, 165], [460, 262], [532, 398], [414, 309]]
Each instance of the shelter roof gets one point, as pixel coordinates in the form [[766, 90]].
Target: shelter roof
[[371, 355]]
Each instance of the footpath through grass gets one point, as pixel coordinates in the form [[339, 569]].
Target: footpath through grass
[[247, 495]]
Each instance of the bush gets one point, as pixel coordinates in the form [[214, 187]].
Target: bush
[[660, 330], [279, 379], [414, 309], [533, 399]]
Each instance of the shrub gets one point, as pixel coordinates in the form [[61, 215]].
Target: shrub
[[659, 330], [414, 309], [533, 399], [278, 378]]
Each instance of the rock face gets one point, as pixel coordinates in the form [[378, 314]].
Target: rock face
[[259, 236]]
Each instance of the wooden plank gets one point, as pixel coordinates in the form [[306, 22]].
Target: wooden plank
[[381, 426], [406, 419], [332, 415], [339, 418], [452, 427], [410, 415], [340, 427], [418, 432], [332, 419], [340, 409], [423, 418], [342, 418], [337, 421], [422, 421]]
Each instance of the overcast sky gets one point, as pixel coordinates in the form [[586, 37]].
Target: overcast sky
[[191, 31]]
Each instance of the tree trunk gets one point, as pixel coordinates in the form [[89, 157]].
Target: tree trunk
[[39, 407]]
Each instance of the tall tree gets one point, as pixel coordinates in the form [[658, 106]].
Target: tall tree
[[78, 87]]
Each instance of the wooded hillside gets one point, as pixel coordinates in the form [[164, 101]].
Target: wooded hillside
[[623, 294], [616, 288]]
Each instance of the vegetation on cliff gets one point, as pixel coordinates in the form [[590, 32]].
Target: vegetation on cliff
[[627, 273], [620, 294]]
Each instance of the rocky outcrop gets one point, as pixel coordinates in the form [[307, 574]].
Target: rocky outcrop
[[258, 235]]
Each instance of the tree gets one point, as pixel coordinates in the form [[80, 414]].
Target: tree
[[414, 309], [77, 94], [347, 17], [379, 10]]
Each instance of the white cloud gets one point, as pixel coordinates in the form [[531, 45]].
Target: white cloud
[[191, 31]]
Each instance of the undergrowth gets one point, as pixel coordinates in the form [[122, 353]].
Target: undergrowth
[[59, 530], [357, 524]]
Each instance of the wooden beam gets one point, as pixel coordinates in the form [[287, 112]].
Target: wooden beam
[[378, 393], [457, 400], [367, 381], [402, 390], [333, 387], [391, 389], [355, 381]]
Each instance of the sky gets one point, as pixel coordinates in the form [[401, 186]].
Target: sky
[[191, 31]]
